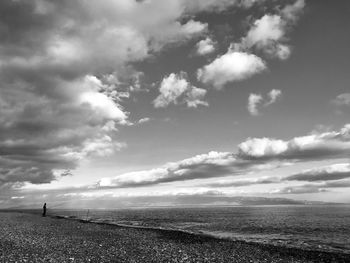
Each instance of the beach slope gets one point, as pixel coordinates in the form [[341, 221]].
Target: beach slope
[[31, 238]]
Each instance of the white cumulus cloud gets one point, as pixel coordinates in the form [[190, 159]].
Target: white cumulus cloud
[[254, 100], [205, 46], [144, 120], [175, 89], [230, 67], [274, 94], [315, 146], [268, 34], [342, 99]]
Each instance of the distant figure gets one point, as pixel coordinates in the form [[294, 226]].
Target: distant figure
[[44, 210]]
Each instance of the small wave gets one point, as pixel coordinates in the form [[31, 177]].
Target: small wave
[[288, 241]]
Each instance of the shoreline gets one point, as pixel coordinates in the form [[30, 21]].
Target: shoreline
[[199, 233], [35, 238]]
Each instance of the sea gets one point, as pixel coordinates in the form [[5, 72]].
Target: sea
[[310, 227]]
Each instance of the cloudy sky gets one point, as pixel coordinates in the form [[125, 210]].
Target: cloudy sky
[[209, 99]]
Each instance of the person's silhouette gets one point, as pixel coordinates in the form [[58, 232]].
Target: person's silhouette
[[44, 210]]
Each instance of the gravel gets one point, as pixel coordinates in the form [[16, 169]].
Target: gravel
[[31, 238]]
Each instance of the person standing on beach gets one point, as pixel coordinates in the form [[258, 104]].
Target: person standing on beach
[[44, 210]]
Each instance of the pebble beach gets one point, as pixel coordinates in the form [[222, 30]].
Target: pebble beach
[[28, 237]]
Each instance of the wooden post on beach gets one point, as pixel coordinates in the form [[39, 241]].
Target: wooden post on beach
[[87, 214]]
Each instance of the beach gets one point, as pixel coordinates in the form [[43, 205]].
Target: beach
[[26, 237]]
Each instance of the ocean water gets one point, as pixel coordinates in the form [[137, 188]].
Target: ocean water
[[322, 228]]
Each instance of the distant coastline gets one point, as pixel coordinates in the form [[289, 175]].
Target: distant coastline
[[178, 202]]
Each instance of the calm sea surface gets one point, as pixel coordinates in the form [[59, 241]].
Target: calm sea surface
[[325, 228]]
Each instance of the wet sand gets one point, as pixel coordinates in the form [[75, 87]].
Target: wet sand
[[31, 238]]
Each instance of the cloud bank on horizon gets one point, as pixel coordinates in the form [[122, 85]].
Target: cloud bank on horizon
[[252, 154], [71, 83]]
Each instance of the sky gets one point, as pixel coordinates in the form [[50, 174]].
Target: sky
[[173, 102]]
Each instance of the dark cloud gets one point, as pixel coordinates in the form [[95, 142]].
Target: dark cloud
[[64, 71], [328, 173], [213, 164], [33, 175], [337, 184], [313, 188], [244, 182], [304, 189], [201, 166], [331, 174]]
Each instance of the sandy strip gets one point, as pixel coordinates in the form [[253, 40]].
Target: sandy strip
[[31, 238]]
